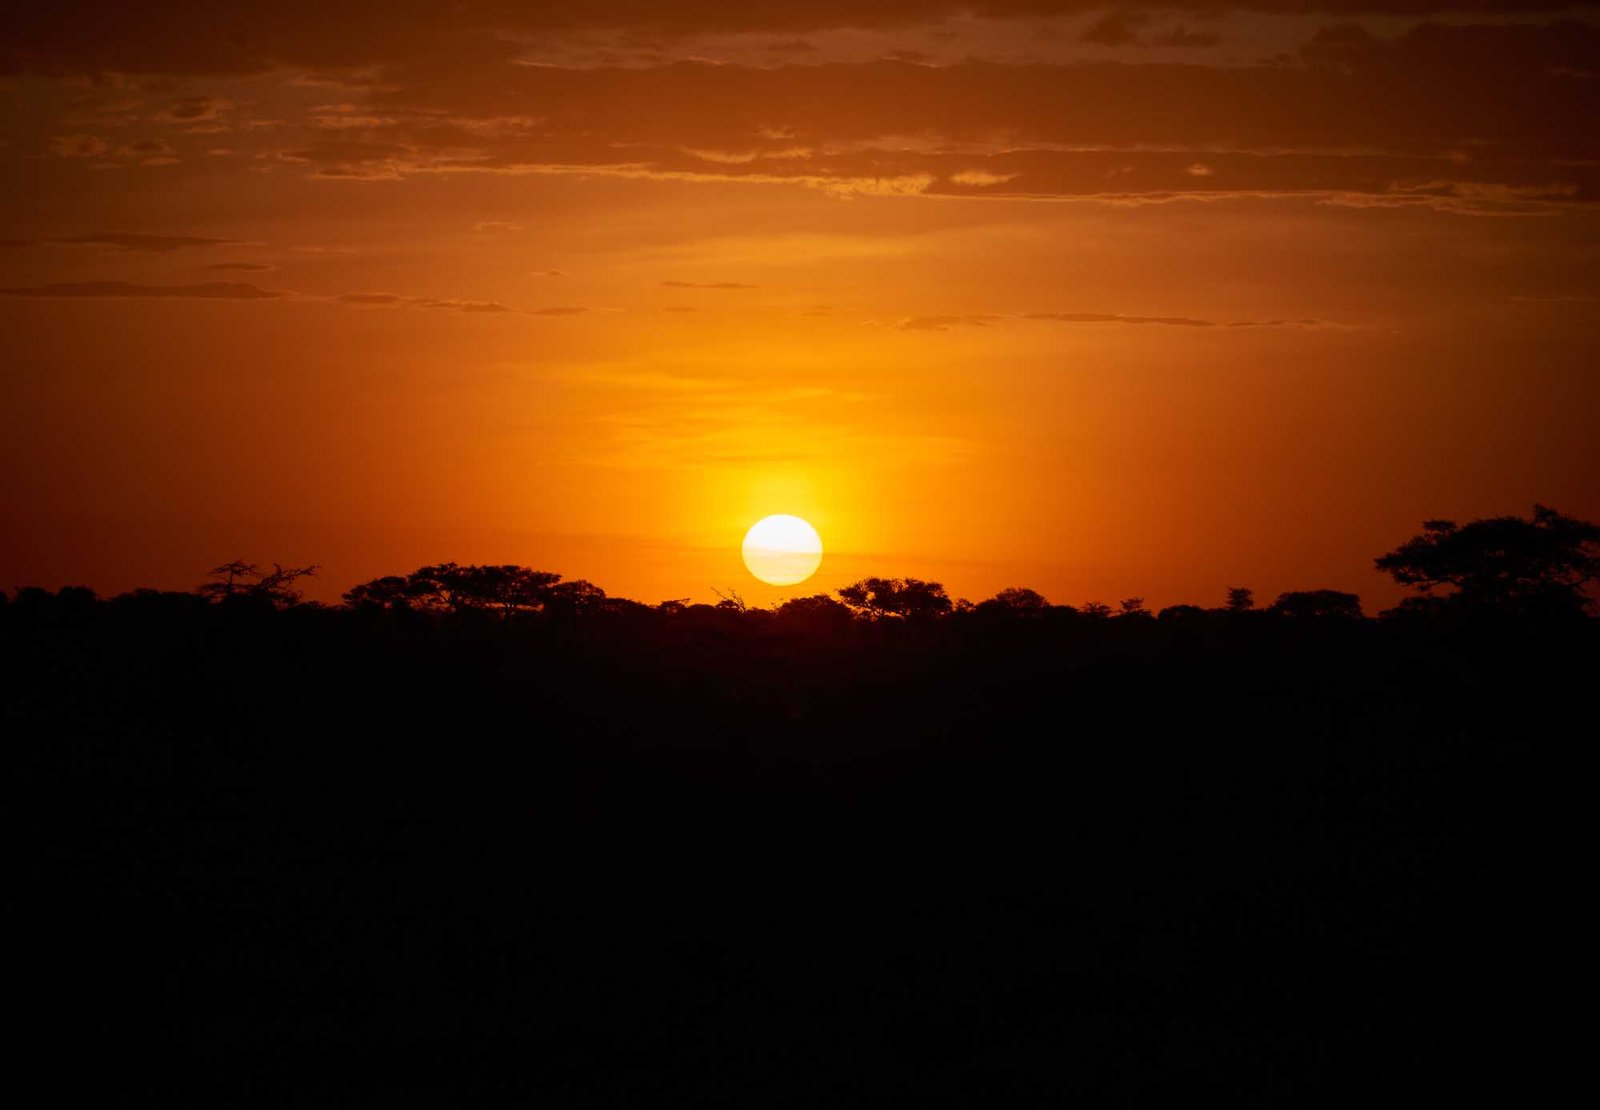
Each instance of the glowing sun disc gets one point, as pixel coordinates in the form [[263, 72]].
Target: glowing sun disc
[[782, 550]]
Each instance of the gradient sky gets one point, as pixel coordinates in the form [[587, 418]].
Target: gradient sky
[[1101, 300]]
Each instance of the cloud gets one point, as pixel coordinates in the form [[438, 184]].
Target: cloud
[[79, 146], [1308, 126], [195, 109], [980, 178], [944, 323], [1352, 114], [952, 321], [242, 267], [1116, 28], [334, 41], [707, 285], [559, 310], [465, 306], [1166, 321], [1183, 38], [374, 299], [209, 291], [126, 241], [495, 225], [144, 152], [393, 299], [1132, 28], [147, 152]]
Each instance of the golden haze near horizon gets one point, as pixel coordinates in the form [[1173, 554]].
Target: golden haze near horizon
[[1100, 300]]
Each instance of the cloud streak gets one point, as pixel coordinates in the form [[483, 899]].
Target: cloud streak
[[707, 285], [159, 244], [1166, 321], [951, 321], [207, 291], [195, 38], [395, 300]]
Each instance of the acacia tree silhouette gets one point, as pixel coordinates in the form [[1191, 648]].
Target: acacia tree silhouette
[[240, 579], [896, 598], [450, 587], [232, 578], [1505, 564]]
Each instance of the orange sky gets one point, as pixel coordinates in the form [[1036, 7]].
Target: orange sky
[[1105, 301]]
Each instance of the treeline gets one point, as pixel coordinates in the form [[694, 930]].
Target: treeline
[[1537, 567]]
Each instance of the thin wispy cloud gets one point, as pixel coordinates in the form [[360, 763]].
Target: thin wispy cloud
[[395, 300], [1166, 321], [210, 291], [158, 244], [947, 322]]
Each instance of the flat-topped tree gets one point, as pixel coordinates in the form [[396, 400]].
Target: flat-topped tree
[[1505, 564], [896, 598], [451, 587]]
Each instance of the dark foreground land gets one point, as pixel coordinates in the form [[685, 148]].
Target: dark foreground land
[[336, 858]]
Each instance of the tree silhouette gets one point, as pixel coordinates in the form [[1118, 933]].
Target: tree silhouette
[[577, 595], [231, 578], [451, 587], [1503, 564], [1240, 599], [1318, 604], [816, 613], [730, 600], [242, 580], [896, 598], [279, 586], [393, 591], [1016, 601]]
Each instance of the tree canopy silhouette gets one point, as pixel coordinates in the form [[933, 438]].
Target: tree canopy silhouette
[[451, 587], [242, 580], [1015, 601], [896, 598], [1318, 604], [1504, 564], [819, 611]]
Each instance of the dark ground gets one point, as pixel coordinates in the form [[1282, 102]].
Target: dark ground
[[326, 858]]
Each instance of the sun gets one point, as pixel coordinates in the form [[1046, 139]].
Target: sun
[[782, 550]]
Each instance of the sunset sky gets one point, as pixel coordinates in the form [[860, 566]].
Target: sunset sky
[[1101, 300]]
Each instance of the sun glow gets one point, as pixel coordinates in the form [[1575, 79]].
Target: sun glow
[[782, 550]]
